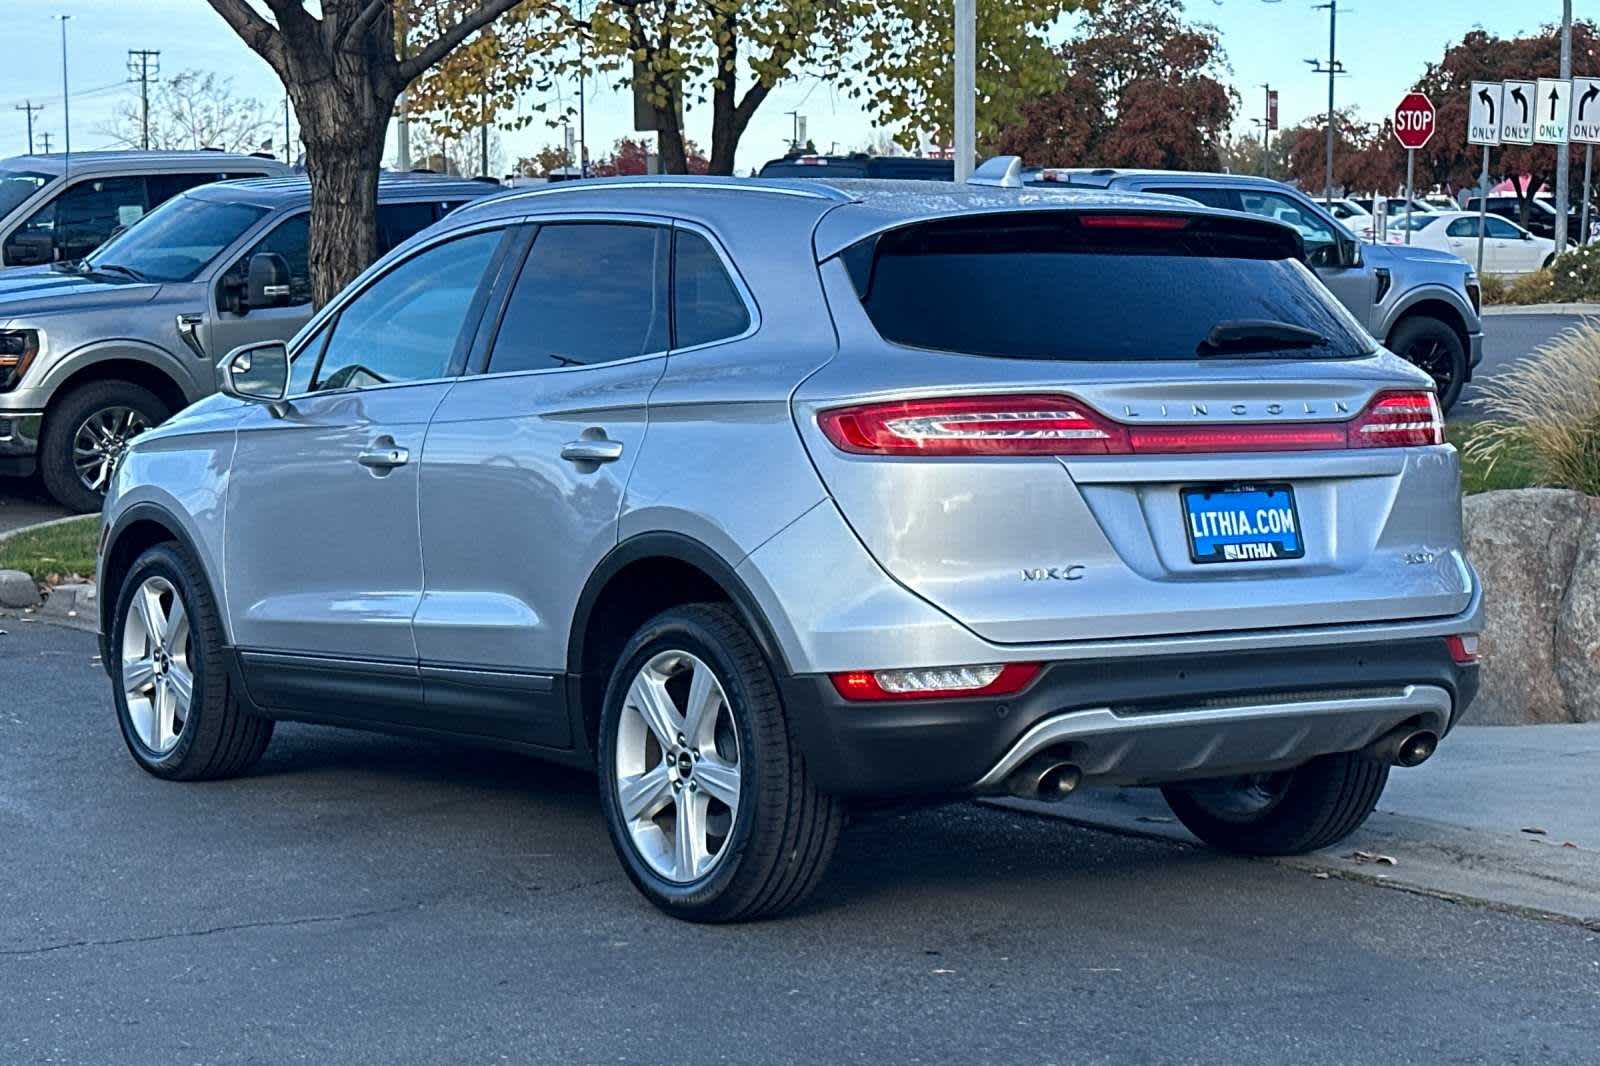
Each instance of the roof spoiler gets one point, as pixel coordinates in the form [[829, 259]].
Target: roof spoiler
[[1003, 170]]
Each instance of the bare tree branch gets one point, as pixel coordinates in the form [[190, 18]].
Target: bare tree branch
[[262, 37], [487, 12]]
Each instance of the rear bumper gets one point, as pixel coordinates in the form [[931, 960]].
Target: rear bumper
[[1135, 720], [19, 441]]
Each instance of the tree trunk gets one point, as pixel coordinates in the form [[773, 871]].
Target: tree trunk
[[674, 156]]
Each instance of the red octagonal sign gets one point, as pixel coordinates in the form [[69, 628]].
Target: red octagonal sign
[[1415, 120]]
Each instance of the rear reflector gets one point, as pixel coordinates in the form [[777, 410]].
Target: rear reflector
[[1463, 648], [1063, 425], [938, 683]]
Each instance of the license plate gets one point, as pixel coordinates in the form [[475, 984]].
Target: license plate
[[1242, 523]]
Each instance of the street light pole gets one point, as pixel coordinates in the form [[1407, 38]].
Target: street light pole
[[66, 103], [1563, 150], [966, 31], [1333, 66]]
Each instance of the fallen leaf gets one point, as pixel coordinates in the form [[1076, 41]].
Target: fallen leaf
[[1374, 857]]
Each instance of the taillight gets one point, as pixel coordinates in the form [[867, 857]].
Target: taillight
[[974, 425], [1463, 648], [944, 682], [1399, 420], [1063, 425]]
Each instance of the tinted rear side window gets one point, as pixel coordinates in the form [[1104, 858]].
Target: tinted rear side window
[[1042, 286], [396, 222], [706, 306]]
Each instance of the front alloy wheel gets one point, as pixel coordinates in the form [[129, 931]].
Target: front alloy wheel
[[99, 442], [157, 680]]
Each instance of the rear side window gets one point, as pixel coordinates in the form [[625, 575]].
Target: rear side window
[[1043, 286], [396, 222], [1222, 198], [588, 293], [706, 306]]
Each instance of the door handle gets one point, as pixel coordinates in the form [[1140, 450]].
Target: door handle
[[384, 457], [592, 450]]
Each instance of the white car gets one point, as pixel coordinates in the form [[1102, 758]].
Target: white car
[[1507, 247], [1356, 219]]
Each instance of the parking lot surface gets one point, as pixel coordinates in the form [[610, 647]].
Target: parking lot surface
[[360, 899]]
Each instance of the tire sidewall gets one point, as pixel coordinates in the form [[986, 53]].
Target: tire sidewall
[[61, 428], [162, 561], [1415, 329], [682, 630]]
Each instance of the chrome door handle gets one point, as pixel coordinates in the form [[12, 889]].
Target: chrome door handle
[[588, 450], [384, 458]]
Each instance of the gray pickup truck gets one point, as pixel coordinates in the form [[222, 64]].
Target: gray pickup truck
[[95, 352], [1421, 304]]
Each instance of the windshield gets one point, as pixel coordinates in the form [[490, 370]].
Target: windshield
[[17, 185], [1043, 286], [176, 240]]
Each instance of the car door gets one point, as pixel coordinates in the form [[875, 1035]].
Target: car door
[[532, 456], [1461, 239], [1513, 254], [228, 323], [1354, 286], [323, 561]]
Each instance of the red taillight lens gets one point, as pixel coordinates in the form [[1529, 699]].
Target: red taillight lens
[[1190, 440], [944, 682], [1163, 223], [1463, 648], [974, 425], [1399, 420]]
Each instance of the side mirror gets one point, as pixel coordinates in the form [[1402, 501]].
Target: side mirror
[[1349, 253], [257, 373], [267, 283]]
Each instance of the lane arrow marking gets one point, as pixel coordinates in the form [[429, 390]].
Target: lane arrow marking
[[1584, 100], [1517, 95], [1488, 101], [1555, 98]]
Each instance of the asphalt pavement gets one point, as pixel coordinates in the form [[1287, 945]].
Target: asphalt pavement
[[1507, 339], [361, 899], [23, 502]]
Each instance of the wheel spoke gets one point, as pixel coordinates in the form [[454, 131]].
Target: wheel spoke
[[177, 626], [701, 707], [147, 602], [181, 684], [138, 675], [163, 726], [644, 795], [719, 778], [648, 696], [689, 836]]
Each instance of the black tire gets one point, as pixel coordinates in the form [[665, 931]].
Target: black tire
[[1313, 806], [218, 739], [1434, 347], [784, 831], [62, 422], [1549, 261]]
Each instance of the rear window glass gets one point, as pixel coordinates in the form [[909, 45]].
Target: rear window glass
[[1042, 286]]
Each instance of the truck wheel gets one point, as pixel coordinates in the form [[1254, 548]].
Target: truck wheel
[[173, 700], [85, 433], [1288, 813], [704, 790], [1436, 348]]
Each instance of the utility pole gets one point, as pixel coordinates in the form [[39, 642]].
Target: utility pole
[[31, 108], [794, 130], [403, 110], [287, 145], [45, 137], [966, 93], [144, 65], [1333, 69], [66, 103], [1564, 150], [583, 129]]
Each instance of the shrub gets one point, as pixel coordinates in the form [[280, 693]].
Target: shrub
[[1544, 413], [1572, 278]]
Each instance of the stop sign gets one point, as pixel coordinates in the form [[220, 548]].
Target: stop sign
[[1415, 120]]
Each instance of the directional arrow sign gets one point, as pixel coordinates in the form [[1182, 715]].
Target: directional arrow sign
[[1483, 113], [1586, 110], [1552, 120], [1517, 111]]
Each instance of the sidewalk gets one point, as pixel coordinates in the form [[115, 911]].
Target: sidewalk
[[1453, 826]]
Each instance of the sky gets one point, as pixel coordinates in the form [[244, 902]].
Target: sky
[[1384, 45]]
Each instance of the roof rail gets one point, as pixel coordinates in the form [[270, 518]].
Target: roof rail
[[802, 187], [1003, 170]]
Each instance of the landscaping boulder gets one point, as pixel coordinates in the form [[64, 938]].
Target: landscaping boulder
[[17, 589], [1538, 553]]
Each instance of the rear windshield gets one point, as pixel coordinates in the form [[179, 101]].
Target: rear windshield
[[1043, 286]]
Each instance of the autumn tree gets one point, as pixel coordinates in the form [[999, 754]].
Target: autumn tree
[[1366, 157], [343, 68], [1136, 85], [1482, 56], [195, 109], [543, 163], [630, 155]]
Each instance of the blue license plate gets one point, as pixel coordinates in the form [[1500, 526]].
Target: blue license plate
[[1242, 524]]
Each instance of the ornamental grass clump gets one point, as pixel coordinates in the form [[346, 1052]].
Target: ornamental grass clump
[[1544, 413]]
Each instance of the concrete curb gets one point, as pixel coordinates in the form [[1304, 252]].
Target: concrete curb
[[73, 605], [1496, 310]]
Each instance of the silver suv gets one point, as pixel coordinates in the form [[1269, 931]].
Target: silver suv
[[766, 497], [1423, 304], [94, 352]]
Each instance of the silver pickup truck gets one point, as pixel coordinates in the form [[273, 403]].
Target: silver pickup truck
[[1421, 304], [95, 352]]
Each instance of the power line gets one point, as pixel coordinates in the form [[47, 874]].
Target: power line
[[143, 66], [30, 107]]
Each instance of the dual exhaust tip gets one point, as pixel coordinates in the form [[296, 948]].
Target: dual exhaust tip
[[1406, 746]]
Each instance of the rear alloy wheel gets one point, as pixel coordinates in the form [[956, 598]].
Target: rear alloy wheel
[[85, 435], [1287, 813], [705, 794], [1432, 346]]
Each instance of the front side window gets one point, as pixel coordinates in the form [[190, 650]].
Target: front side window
[[1501, 229], [1210, 197], [706, 305], [1321, 242], [405, 326], [81, 218], [291, 239], [177, 240], [588, 293]]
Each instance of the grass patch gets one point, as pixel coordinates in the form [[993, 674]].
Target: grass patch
[[1513, 469], [56, 552]]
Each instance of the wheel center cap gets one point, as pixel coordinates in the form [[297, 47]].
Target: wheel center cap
[[685, 764]]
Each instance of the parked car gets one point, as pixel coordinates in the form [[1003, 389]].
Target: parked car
[[859, 165], [1393, 206], [764, 497], [1422, 304], [1356, 218], [56, 209], [1507, 247], [1541, 215], [94, 353]]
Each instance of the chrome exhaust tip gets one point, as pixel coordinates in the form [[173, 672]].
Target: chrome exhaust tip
[[1044, 777], [1407, 746]]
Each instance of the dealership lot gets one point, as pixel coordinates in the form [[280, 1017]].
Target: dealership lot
[[364, 899]]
